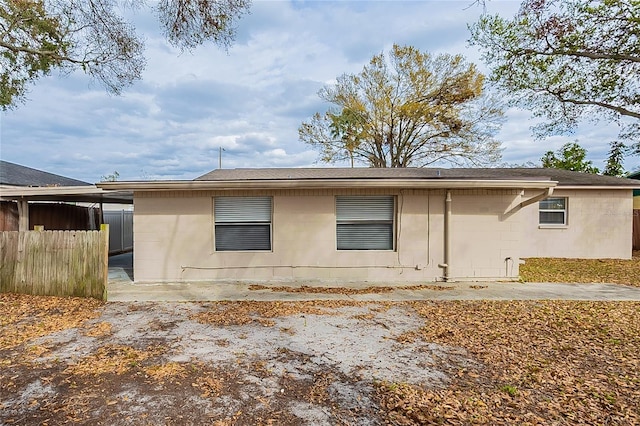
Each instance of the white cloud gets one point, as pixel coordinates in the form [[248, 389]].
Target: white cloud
[[249, 100]]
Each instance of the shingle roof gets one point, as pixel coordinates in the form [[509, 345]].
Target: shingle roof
[[563, 177], [17, 175]]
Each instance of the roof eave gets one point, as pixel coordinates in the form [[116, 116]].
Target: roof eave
[[325, 183], [595, 187]]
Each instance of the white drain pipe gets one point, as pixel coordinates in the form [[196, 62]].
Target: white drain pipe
[[446, 265]]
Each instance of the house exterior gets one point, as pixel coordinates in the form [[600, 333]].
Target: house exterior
[[385, 225]]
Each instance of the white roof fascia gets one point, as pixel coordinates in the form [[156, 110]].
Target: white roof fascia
[[326, 183], [628, 187]]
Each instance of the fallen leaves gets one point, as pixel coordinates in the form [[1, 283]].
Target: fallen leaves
[[166, 371], [542, 362], [99, 330], [346, 290], [117, 359], [247, 312], [615, 271], [25, 317], [518, 362]]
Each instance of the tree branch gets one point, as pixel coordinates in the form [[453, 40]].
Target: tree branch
[[47, 53], [580, 54], [618, 109]]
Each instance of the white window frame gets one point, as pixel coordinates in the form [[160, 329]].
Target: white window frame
[[367, 219], [232, 214], [564, 211]]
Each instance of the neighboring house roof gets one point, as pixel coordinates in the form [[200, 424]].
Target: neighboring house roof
[[24, 183], [12, 174], [563, 177]]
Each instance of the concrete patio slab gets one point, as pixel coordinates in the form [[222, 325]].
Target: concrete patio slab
[[121, 288]]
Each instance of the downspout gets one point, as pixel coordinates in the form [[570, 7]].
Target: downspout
[[447, 238]]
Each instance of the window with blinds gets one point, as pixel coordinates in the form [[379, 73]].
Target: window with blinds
[[553, 211], [242, 223], [365, 222]]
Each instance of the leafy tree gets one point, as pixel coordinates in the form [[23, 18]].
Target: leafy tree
[[568, 60], [614, 165], [111, 177], [38, 36], [571, 156], [407, 109]]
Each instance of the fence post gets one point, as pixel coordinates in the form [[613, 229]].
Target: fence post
[[122, 230], [104, 233]]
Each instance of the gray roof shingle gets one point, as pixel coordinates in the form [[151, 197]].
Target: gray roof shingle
[[563, 177], [16, 175]]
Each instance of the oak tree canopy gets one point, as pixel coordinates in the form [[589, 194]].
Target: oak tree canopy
[[567, 61], [407, 108]]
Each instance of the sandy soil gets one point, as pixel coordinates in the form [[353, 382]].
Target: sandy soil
[[206, 363]]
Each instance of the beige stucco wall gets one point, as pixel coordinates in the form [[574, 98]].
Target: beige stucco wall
[[174, 238], [599, 226], [485, 241]]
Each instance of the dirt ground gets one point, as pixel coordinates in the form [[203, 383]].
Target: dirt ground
[[318, 363]]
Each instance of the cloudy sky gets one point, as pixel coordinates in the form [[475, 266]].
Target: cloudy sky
[[249, 100]]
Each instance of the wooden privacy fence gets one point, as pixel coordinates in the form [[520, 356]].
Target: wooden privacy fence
[[55, 263]]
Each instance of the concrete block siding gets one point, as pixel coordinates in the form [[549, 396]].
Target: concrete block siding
[[174, 238]]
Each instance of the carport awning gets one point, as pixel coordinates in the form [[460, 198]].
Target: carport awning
[[86, 193]]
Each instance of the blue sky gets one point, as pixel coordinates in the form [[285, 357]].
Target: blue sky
[[249, 100]]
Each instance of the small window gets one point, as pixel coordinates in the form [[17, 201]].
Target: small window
[[242, 223], [553, 211], [365, 222]]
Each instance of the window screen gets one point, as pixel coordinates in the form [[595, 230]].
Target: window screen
[[364, 222], [553, 211], [242, 223]]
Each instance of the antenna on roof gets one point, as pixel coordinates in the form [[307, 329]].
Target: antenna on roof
[[220, 157]]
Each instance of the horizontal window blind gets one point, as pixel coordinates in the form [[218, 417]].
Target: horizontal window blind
[[242, 209], [242, 223], [359, 208], [552, 218], [243, 237], [365, 236], [364, 222], [553, 204]]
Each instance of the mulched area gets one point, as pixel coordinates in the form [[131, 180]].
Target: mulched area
[[520, 362], [614, 271]]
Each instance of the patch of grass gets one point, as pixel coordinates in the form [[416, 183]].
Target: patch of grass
[[509, 390], [616, 271]]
